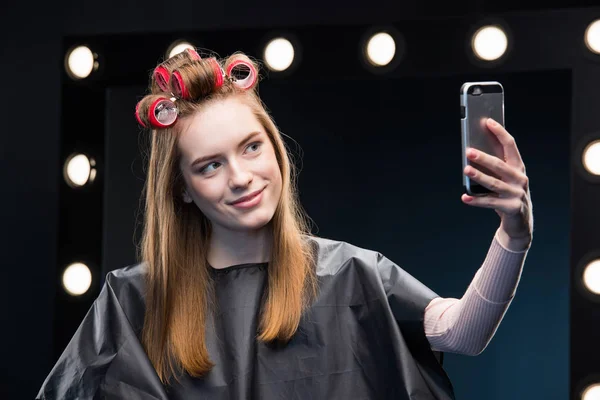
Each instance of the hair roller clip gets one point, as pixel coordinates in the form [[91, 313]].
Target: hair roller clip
[[178, 85], [193, 54], [161, 77], [137, 115], [162, 113], [218, 72], [250, 78]]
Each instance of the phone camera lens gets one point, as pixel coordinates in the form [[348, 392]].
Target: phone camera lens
[[476, 90]]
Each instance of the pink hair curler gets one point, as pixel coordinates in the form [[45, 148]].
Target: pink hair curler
[[161, 76], [246, 82], [162, 113], [137, 115], [193, 54], [179, 88], [218, 72]]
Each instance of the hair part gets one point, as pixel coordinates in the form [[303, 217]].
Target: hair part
[[179, 291]]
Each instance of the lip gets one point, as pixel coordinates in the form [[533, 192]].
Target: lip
[[249, 199]]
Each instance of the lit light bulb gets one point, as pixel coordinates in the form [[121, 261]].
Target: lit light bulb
[[381, 49], [279, 54], [489, 43], [77, 279], [80, 62]]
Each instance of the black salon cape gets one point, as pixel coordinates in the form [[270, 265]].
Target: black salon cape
[[363, 338]]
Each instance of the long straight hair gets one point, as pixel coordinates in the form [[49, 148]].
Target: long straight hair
[[174, 245]]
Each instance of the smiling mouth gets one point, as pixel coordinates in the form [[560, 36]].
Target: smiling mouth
[[248, 197]]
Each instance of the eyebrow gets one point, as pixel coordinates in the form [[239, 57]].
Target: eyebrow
[[206, 158]]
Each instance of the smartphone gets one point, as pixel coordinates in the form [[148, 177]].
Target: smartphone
[[478, 102]]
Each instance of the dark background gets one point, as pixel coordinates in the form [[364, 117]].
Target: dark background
[[424, 228], [382, 170]]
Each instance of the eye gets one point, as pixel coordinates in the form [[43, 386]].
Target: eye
[[256, 145], [207, 168]]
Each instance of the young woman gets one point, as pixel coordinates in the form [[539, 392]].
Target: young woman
[[233, 298]]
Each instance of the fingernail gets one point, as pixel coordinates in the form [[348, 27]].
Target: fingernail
[[492, 122], [471, 153]]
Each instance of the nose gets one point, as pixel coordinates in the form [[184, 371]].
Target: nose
[[239, 177]]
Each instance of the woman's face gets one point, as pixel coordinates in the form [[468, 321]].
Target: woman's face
[[227, 155]]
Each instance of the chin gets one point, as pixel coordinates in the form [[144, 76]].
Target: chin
[[256, 220]]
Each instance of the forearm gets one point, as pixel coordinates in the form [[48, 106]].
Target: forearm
[[467, 325], [513, 244]]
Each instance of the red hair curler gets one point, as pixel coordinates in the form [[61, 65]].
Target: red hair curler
[[218, 72], [193, 54], [162, 113], [246, 82], [137, 115], [161, 76], [179, 88]]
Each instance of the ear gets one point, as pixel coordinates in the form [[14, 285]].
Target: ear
[[186, 197]]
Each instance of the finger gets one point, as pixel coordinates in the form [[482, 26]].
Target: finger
[[493, 184], [511, 152], [496, 165], [508, 206], [497, 147]]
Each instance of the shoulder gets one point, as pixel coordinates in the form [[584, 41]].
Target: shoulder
[[127, 279], [132, 272], [364, 272], [126, 287], [335, 255]]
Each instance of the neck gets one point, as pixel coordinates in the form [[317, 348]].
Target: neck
[[229, 248]]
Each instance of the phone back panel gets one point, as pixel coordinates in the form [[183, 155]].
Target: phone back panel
[[477, 108]]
